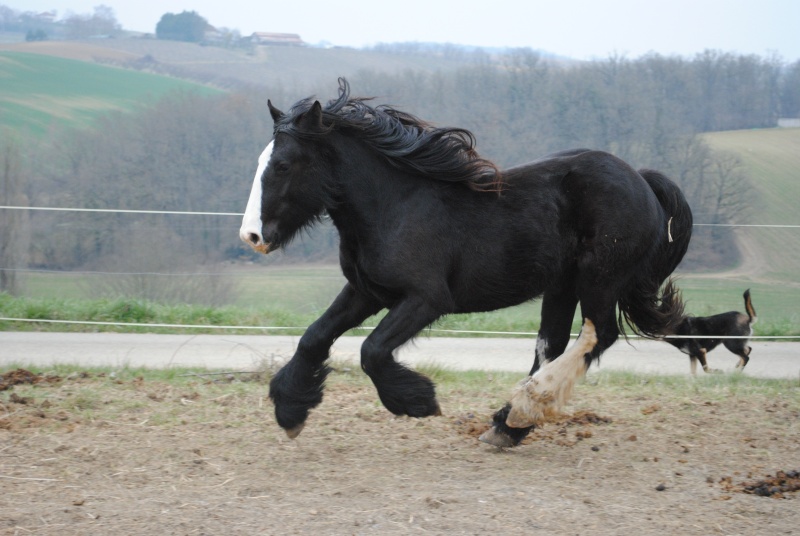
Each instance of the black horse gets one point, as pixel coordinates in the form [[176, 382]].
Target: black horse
[[428, 228]]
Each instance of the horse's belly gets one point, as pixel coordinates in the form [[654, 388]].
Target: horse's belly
[[489, 295]]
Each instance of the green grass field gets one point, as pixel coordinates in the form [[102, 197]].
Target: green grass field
[[293, 296], [40, 91]]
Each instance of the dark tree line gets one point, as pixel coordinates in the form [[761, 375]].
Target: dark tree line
[[192, 153], [184, 26], [603, 103]]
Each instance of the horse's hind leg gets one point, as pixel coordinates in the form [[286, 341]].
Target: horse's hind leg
[[297, 387], [558, 310], [546, 391], [543, 393]]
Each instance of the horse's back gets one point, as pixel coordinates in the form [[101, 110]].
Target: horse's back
[[597, 187]]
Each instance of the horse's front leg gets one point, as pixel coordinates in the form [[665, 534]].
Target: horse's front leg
[[402, 390], [298, 386]]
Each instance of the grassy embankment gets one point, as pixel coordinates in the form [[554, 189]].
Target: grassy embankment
[[294, 297]]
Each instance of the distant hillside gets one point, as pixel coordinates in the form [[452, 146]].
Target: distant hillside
[[772, 159], [39, 91], [29, 98], [298, 69]]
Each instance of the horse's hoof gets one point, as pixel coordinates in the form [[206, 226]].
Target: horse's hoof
[[294, 432], [496, 439]]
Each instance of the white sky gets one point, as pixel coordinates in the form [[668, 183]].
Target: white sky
[[582, 29]]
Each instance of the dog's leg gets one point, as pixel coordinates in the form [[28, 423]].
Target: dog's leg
[[739, 347], [744, 357], [702, 357]]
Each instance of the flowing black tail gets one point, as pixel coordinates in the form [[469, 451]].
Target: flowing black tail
[[649, 310]]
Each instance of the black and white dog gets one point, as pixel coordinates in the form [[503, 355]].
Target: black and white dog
[[730, 324]]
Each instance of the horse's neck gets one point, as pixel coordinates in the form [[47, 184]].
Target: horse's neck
[[367, 189]]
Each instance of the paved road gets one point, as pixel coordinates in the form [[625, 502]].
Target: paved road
[[244, 352]]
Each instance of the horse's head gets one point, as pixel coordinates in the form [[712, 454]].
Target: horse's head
[[288, 192]]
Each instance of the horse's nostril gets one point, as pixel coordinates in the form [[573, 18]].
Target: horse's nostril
[[253, 238]]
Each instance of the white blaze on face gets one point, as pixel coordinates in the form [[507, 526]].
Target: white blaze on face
[[250, 232]]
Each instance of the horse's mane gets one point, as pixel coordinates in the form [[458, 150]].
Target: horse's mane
[[445, 154]]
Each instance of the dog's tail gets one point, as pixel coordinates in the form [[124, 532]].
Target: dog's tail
[[748, 305]]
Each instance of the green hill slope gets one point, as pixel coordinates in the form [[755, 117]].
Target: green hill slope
[[770, 264], [38, 91], [772, 159], [301, 70]]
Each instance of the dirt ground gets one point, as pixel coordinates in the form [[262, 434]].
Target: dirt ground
[[98, 454]]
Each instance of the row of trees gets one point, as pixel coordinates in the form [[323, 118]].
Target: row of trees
[[192, 153], [184, 26], [43, 26], [607, 100]]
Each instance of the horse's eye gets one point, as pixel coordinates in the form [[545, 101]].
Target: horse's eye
[[282, 167]]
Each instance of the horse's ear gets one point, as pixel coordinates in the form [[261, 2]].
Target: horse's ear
[[312, 119], [274, 112]]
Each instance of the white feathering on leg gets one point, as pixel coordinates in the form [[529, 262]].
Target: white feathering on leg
[[548, 390]]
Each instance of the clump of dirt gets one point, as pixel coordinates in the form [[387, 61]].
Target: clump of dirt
[[16, 399], [21, 377], [585, 418], [471, 425], [776, 486], [554, 427]]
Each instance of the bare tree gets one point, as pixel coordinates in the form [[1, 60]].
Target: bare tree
[[13, 223], [103, 22]]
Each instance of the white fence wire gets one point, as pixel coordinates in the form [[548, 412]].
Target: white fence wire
[[291, 328]]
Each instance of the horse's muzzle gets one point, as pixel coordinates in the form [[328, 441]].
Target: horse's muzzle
[[255, 241], [263, 247]]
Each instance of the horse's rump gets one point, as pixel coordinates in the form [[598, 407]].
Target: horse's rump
[[647, 308]]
